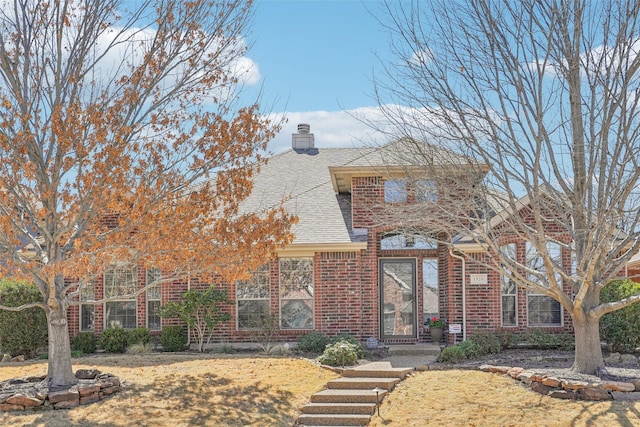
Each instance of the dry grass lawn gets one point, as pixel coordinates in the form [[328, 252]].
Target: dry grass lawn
[[253, 390], [473, 398], [185, 390]]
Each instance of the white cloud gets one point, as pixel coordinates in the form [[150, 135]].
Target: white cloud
[[333, 128]]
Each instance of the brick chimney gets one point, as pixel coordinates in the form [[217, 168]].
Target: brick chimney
[[303, 140]]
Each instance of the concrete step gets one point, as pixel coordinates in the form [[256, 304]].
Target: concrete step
[[333, 420], [377, 370], [422, 349], [363, 383], [339, 408], [347, 396]]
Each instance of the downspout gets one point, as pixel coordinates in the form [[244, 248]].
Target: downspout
[[464, 293]]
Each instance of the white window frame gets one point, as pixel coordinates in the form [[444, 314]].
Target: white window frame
[[153, 295], [552, 248], [131, 287], [508, 250], [307, 301], [262, 278]]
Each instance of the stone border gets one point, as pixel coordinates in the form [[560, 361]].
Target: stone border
[[574, 389], [32, 393]]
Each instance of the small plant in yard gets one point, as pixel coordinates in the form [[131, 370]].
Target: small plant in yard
[[342, 353], [537, 338], [201, 310], [313, 342], [350, 339], [436, 322], [488, 341], [620, 328], [451, 354], [140, 348], [84, 342], [140, 336], [173, 338], [507, 339], [114, 339], [267, 327]]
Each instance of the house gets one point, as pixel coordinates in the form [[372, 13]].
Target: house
[[350, 268]]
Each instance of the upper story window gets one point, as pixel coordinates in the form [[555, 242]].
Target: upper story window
[[396, 241], [395, 191], [426, 191]]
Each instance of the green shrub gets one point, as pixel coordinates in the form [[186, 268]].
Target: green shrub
[[173, 338], [451, 354], [114, 340], [620, 328], [313, 342], [488, 342], [507, 339], [21, 332], [342, 353], [350, 339], [140, 348], [539, 339], [84, 342], [139, 336], [471, 349]]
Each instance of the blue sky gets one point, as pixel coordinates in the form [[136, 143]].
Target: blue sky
[[316, 60]]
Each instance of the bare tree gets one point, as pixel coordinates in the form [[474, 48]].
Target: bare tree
[[543, 96], [116, 117]]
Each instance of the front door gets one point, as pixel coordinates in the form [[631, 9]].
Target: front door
[[398, 298]]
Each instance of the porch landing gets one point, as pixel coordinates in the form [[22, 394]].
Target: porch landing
[[412, 355]]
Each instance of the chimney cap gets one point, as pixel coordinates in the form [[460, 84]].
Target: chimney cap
[[303, 140], [304, 128]]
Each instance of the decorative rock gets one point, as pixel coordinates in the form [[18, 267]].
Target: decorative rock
[[22, 400], [562, 394], [593, 393], [499, 369], [67, 404], [540, 388], [551, 382], [525, 377], [6, 358], [87, 374], [88, 390], [515, 372], [89, 399], [576, 385], [485, 368], [635, 382], [9, 407], [618, 386], [65, 395], [619, 395], [628, 360], [613, 358], [18, 359]]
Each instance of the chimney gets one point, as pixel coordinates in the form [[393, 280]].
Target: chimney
[[303, 140]]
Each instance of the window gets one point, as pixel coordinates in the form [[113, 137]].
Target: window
[[508, 288], [87, 293], [154, 300], [541, 309], [426, 191], [253, 299], [120, 281], [407, 241], [296, 293], [430, 307], [395, 191]]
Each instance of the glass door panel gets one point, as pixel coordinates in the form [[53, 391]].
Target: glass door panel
[[398, 298]]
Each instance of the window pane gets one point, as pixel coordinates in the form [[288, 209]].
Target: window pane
[[258, 286], [153, 318], [430, 307], [86, 317], [395, 191], [154, 275], [426, 191], [543, 311], [121, 313], [297, 314], [119, 281], [508, 310], [252, 314], [87, 292], [296, 278]]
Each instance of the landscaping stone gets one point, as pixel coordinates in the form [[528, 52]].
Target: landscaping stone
[[6, 358], [628, 360], [32, 393], [593, 393], [620, 395], [551, 382], [87, 374], [538, 387], [18, 359], [612, 359], [618, 386]]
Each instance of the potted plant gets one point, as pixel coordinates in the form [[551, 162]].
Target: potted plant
[[436, 328]]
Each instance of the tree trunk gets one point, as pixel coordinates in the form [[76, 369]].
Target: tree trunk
[[588, 353], [60, 372]]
